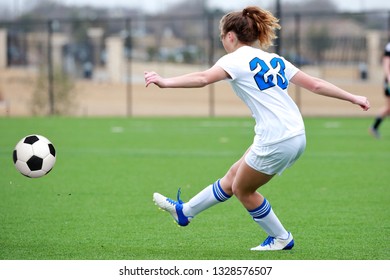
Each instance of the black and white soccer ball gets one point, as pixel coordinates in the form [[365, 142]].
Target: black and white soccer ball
[[34, 156]]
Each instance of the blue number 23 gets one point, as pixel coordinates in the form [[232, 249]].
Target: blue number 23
[[265, 82]]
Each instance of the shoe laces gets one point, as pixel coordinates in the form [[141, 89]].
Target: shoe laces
[[269, 240], [178, 196], [179, 201]]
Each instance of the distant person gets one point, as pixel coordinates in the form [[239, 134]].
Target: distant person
[[88, 69], [261, 80], [385, 111]]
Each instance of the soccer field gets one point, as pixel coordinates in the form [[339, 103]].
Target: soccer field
[[96, 204]]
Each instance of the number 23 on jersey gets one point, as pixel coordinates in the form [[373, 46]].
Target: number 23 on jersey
[[264, 77]]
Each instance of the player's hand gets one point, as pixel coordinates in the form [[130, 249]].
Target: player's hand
[[153, 78], [363, 102]]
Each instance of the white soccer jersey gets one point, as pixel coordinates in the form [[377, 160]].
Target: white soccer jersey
[[261, 79]]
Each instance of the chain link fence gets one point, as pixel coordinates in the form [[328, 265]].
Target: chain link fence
[[56, 59]]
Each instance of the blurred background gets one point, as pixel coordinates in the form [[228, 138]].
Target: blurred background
[[87, 57]]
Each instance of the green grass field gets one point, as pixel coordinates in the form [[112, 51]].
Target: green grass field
[[96, 204]]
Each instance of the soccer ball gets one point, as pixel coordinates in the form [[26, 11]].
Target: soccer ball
[[34, 156]]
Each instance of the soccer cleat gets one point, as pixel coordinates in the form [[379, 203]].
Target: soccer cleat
[[274, 244], [175, 208], [374, 132]]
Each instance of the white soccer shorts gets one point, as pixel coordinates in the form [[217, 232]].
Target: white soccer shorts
[[275, 158]]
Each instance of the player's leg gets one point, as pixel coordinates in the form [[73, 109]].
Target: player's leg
[[245, 188], [215, 193], [209, 196], [182, 212], [384, 112], [258, 169]]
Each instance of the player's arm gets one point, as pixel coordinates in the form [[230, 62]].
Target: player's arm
[[192, 80], [322, 87]]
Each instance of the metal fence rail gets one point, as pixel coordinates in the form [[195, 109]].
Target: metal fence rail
[[106, 49]]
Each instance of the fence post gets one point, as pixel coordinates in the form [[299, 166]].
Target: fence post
[[278, 41], [297, 20], [3, 48], [128, 46], [373, 48], [50, 73], [211, 87]]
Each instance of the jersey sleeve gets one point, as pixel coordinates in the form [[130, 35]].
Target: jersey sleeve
[[228, 64], [291, 69]]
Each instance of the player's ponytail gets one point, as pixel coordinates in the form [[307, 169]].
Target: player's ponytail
[[250, 25]]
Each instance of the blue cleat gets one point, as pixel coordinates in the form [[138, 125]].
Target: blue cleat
[[274, 244], [175, 208], [374, 132]]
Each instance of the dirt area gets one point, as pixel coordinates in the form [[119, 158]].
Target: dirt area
[[99, 97]]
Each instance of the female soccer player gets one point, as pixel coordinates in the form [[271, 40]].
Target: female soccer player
[[384, 112], [261, 80]]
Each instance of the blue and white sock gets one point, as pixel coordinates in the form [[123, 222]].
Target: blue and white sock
[[209, 196], [265, 217]]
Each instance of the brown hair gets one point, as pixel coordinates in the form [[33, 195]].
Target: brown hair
[[251, 24]]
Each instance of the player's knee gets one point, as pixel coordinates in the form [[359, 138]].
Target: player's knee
[[243, 196], [236, 192], [228, 179], [239, 192]]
